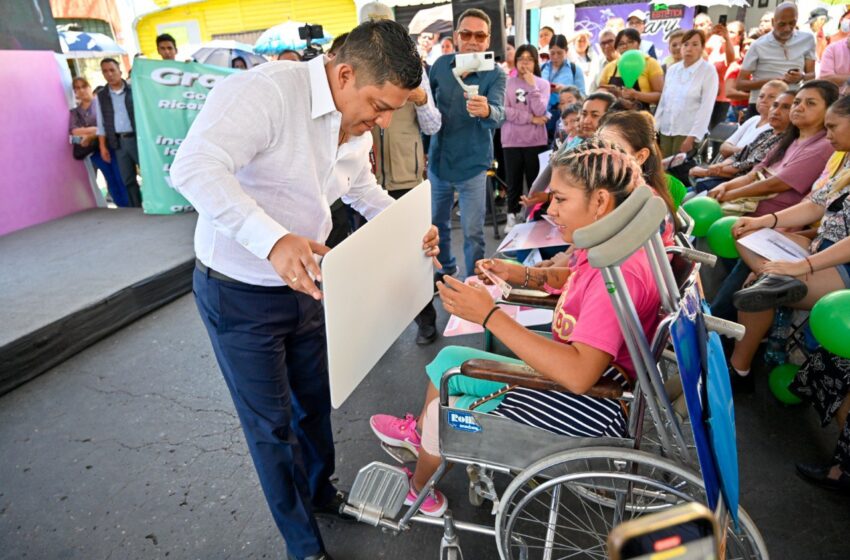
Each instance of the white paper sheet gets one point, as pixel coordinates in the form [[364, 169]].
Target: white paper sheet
[[773, 246], [374, 284]]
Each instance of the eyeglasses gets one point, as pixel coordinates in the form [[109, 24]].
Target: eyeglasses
[[608, 42], [466, 35]]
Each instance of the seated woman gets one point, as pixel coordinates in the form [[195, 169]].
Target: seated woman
[[746, 134], [633, 132], [801, 283], [783, 182], [647, 89], [588, 183], [779, 119]]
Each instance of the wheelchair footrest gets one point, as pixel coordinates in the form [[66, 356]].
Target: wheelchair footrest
[[378, 492], [400, 454]]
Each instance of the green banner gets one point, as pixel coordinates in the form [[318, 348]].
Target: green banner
[[167, 96]]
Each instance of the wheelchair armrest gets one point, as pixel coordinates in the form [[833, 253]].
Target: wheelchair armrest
[[525, 376], [548, 302]]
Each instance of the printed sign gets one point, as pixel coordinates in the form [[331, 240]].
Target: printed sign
[[659, 26], [167, 96], [463, 421]]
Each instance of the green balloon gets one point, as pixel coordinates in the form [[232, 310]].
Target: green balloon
[[677, 190], [830, 322], [631, 65], [779, 380], [720, 238], [704, 211]]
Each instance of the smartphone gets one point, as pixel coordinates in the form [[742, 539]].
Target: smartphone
[[685, 532], [722, 19]]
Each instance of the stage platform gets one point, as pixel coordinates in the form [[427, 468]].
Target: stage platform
[[68, 283]]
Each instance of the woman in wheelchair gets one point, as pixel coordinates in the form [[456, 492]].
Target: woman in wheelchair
[[588, 182]]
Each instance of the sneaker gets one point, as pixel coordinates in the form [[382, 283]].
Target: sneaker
[[397, 432], [510, 222], [434, 505]]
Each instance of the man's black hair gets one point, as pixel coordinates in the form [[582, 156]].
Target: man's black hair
[[382, 51], [165, 37], [112, 60], [338, 41]]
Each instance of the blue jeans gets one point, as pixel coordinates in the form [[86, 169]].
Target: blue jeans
[[270, 346], [112, 174], [472, 197], [721, 305]]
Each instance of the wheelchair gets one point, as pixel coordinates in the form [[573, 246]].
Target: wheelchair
[[567, 493]]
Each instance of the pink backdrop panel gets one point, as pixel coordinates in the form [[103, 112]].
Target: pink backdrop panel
[[39, 178]]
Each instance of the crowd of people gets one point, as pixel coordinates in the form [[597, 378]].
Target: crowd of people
[[384, 101]]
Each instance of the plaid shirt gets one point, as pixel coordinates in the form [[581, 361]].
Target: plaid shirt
[[428, 115], [755, 151]]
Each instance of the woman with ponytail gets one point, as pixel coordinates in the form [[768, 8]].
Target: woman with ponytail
[[588, 183]]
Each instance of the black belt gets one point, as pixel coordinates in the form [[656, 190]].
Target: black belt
[[126, 134], [214, 274]]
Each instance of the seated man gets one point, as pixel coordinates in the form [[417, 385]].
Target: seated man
[[742, 162], [588, 182]]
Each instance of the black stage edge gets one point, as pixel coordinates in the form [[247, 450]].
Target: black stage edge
[[68, 283]]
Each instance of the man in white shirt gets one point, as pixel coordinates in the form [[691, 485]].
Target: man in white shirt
[[784, 54], [269, 150]]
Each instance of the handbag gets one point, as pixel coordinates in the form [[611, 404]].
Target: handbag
[[82, 152]]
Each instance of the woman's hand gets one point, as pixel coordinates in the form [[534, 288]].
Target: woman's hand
[[527, 77], [541, 120], [497, 267], [746, 225], [788, 268], [471, 303], [687, 145], [718, 193], [534, 199], [629, 94], [698, 172]]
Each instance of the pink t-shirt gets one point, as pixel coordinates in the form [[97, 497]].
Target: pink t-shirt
[[585, 313], [799, 169], [835, 60]]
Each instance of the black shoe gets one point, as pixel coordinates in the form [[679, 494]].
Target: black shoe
[[742, 384], [819, 475], [427, 334], [320, 556], [333, 509], [770, 291]]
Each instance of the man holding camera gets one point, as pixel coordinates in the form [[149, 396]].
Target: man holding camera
[[269, 150], [462, 151], [784, 54]]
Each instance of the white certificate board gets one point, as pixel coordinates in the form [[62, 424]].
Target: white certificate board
[[374, 284]]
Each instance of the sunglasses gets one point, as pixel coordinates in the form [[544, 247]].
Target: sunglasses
[[468, 35]]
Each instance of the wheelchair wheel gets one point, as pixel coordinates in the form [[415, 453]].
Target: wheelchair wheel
[[565, 505]]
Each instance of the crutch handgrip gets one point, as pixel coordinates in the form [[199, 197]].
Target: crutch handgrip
[[725, 328], [693, 255]]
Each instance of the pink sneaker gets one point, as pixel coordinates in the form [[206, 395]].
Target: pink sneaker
[[434, 505], [398, 432]]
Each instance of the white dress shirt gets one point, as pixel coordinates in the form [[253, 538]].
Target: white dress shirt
[[687, 100], [262, 160]]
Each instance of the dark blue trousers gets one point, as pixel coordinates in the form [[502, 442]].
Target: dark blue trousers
[[270, 346]]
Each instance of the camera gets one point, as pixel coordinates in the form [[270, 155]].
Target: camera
[[475, 62], [310, 33]]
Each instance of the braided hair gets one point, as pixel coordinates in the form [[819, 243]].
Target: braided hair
[[597, 164]]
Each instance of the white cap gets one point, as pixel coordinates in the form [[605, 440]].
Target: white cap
[[639, 14], [375, 10]]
